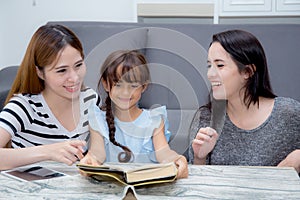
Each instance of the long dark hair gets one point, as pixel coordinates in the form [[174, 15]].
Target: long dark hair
[[248, 53], [134, 69]]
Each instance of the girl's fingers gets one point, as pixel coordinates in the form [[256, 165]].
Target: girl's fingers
[[182, 167]]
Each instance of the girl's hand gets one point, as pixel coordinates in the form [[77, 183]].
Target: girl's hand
[[182, 166], [292, 160], [204, 143], [90, 159], [67, 152]]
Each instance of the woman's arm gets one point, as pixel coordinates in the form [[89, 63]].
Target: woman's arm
[[164, 154], [67, 152]]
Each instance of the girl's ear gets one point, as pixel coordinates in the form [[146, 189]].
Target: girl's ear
[[39, 73], [249, 71], [105, 85]]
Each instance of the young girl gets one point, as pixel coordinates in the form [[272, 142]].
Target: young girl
[[120, 130]]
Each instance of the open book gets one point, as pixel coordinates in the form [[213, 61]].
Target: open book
[[134, 174]]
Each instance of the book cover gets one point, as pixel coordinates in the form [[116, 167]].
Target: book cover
[[135, 174]]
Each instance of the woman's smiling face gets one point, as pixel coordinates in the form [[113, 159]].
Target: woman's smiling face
[[64, 78], [223, 74]]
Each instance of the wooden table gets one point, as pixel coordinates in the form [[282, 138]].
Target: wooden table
[[204, 182]]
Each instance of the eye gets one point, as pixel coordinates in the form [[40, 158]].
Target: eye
[[220, 65], [61, 70], [78, 65], [117, 85], [208, 66], [135, 85]]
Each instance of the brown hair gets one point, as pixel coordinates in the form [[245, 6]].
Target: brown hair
[[43, 49], [134, 69]]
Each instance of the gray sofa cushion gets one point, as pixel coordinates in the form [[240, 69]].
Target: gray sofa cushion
[[3, 95], [177, 57], [7, 76]]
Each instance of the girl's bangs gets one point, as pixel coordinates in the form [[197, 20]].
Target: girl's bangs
[[132, 74]]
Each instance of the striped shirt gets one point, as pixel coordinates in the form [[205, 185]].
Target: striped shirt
[[30, 122]]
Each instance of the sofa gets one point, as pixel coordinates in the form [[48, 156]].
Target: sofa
[[177, 57]]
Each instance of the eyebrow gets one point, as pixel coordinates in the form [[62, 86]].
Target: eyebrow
[[79, 61], [60, 67], [218, 60], [64, 66]]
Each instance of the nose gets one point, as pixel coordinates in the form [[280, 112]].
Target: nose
[[126, 89], [73, 75], [211, 72]]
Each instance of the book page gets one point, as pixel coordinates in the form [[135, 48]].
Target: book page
[[152, 172]]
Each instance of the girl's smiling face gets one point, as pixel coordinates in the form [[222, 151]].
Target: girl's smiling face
[[127, 91], [126, 95], [226, 80]]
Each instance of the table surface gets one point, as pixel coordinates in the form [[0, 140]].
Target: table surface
[[204, 182]]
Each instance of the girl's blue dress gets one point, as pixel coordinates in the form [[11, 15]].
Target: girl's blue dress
[[136, 135]]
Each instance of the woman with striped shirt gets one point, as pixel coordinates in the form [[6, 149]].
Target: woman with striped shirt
[[45, 113]]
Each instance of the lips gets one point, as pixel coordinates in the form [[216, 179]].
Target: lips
[[72, 88], [216, 83], [124, 99]]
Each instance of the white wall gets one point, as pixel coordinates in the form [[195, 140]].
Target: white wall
[[19, 19]]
